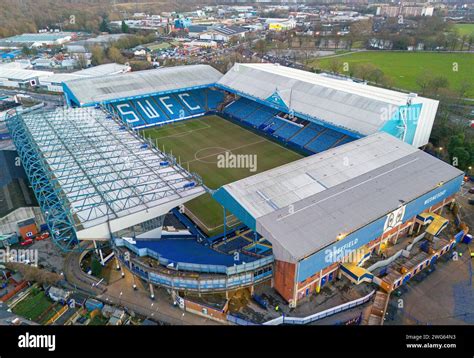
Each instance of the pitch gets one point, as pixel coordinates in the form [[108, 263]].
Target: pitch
[[220, 152]]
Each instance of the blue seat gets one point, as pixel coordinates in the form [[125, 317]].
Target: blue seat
[[190, 103], [214, 99], [286, 131], [128, 114], [171, 106], [261, 117], [304, 136], [150, 111], [242, 108], [324, 141]]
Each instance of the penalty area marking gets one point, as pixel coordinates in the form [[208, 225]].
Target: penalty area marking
[[183, 133]]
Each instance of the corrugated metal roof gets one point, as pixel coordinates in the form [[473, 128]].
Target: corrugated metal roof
[[105, 172], [345, 104], [298, 180], [103, 70], [315, 199], [106, 88], [20, 74]]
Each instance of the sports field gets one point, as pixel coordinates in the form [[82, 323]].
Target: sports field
[[200, 143], [465, 29], [405, 67]]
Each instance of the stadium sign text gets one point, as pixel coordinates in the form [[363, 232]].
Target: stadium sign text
[[343, 253], [434, 197]]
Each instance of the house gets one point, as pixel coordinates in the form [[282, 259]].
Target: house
[[8, 240], [118, 318], [58, 294]]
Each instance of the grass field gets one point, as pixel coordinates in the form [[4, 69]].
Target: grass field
[[464, 29], [405, 67], [197, 144], [34, 306]]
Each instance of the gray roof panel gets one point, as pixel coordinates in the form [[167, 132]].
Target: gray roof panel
[[114, 87]]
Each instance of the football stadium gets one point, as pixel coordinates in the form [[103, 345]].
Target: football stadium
[[208, 182]]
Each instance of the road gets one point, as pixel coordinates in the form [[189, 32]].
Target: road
[[119, 291]]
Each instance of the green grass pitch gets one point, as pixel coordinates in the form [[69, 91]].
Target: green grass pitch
[[197, 144], [405, 67]]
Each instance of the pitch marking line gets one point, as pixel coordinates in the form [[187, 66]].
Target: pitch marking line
[[184, 133], [223, 151]]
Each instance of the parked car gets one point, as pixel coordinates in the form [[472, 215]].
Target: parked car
[[42, 236], [471, 191], [26, 242], [471, 201]]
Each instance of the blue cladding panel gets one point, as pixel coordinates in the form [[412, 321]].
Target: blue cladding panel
[[359, 238], [412, 115], [228, 201]]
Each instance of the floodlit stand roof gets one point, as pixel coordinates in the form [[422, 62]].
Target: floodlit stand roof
[[134, 84], [302, 207], [352, 106], [108, 177]]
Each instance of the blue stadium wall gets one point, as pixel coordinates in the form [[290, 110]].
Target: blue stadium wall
[[318, 261]]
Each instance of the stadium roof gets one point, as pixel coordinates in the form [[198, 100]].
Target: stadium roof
[[303, 206], [107, 177], [96, 71], [17, 74], [103, 70], [345, 104], [135, 84]]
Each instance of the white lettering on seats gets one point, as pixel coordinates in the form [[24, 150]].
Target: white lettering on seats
[[168, 106], [181, 95], [149, 110], [125, 112]]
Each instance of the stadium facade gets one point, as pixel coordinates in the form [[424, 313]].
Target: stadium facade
[[363, 182], [320, 210]]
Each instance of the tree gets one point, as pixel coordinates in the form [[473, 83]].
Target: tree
[[423, 81], [115, 55], [98, 55], [31, 273], [125, 27], [261, 46], [104, 25], [81, 61], [26, 51], [438, 82], [335, 65], [376, 76], [364, 70]]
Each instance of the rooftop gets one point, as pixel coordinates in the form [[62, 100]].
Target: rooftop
[[109, 178], [298, 207], [356, 107], [114, 88]]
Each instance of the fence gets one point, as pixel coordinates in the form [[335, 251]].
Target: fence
[[320, 315], [239, 321]]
